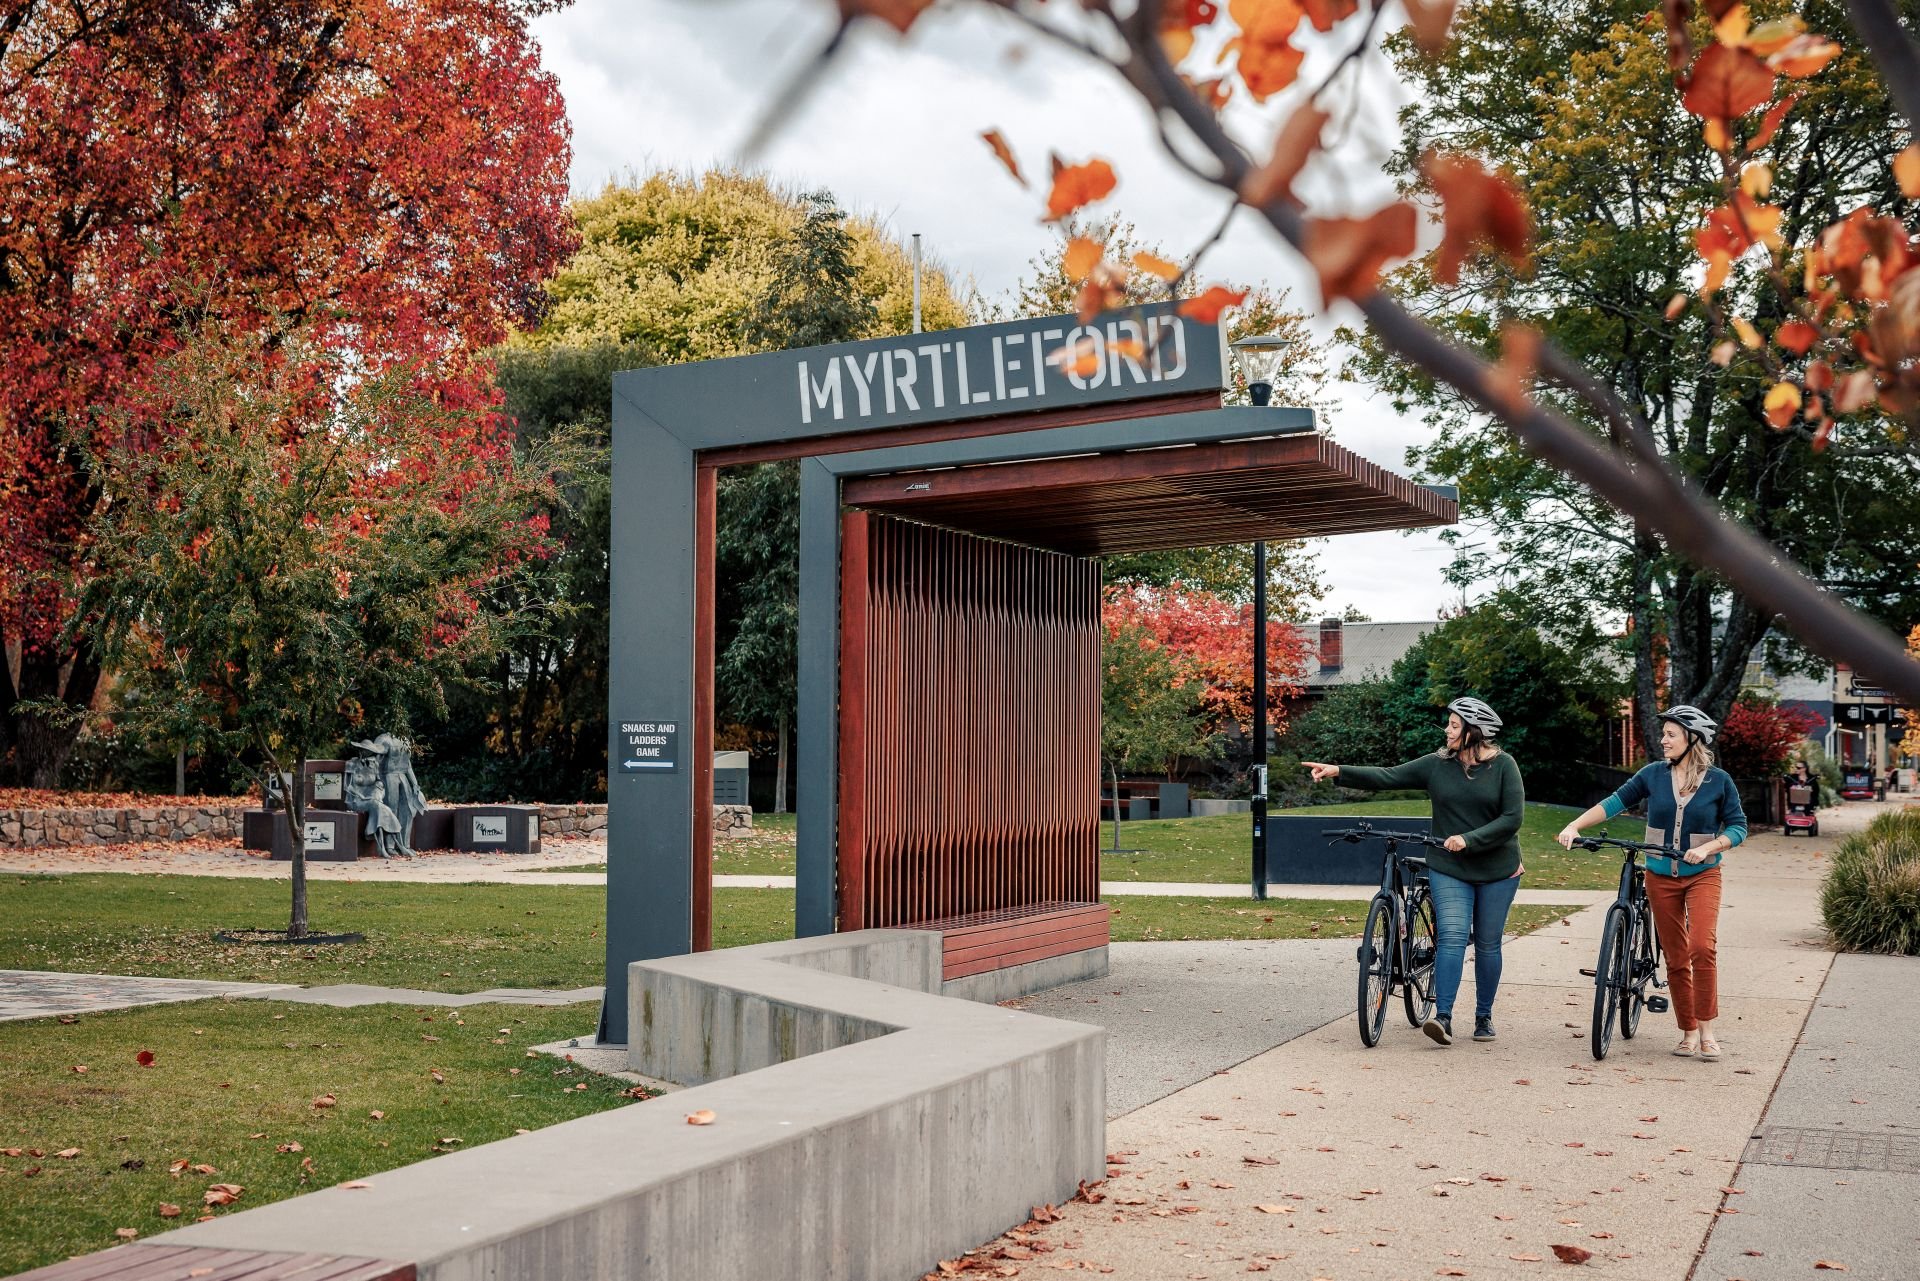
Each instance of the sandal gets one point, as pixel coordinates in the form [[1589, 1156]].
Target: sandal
[[1710, 1048], [1686, 1049]]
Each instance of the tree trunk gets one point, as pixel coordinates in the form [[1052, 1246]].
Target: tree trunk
[[41, 744], [780, 770], [180, 772], [297, 841]]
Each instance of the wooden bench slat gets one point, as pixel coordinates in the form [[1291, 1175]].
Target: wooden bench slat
[[977, 947], [1009, 959]]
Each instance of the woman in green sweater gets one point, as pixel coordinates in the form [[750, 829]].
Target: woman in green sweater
[[1478, 802]]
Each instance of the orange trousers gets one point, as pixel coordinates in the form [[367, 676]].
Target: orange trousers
[[1686, 916]]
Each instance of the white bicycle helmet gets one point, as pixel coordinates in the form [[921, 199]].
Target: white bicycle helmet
[[1692, 720], [1477, 714]]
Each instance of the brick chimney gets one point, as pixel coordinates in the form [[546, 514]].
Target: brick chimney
[[1330, 636]]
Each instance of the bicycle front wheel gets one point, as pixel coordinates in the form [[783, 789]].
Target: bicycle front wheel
[[1422, 944], [1376, 967], [1636, 972], [1606, 979]]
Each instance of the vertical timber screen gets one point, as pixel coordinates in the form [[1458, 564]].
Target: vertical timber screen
[[970, 725]]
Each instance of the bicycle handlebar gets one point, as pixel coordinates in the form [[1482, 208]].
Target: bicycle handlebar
[[1367, 831], [1597, 842]]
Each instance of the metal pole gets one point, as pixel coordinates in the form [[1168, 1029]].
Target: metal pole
[[1260, 720], [916, 282]]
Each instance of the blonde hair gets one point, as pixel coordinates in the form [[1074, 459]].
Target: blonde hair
[[1691, 769]]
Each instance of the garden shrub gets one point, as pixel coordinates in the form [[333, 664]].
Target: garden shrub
[[1871, 899]]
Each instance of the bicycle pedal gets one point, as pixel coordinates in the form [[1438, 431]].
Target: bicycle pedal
[[1659, 1004], [1590, 973]]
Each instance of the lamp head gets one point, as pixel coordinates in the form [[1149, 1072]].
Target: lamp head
[[1260, 357]]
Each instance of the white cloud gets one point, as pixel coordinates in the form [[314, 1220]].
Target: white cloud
[[893, 132]]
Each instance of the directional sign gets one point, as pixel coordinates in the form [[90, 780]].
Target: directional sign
[[649, 747], [1894, 718]]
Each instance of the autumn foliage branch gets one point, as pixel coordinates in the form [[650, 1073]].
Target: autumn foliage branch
[[1858, 312]]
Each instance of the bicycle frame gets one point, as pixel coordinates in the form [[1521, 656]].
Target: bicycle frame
[[1618, 980], [1402, 896]]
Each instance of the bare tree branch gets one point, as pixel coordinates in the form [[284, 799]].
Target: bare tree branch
[[1899, 61]]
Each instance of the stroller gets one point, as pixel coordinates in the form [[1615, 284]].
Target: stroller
[[1801, 819]]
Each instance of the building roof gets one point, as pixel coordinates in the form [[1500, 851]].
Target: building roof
[[1368, 652]]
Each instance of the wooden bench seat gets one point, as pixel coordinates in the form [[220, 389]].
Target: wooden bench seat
[[981, 941]]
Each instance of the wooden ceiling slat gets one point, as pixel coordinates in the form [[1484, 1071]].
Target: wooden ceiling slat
[[1149, 500]]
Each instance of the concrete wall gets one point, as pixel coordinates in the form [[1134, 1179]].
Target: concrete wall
[[886, 1129]]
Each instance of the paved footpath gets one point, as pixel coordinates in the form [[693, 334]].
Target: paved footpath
[[447, 867], [1320, 1158]]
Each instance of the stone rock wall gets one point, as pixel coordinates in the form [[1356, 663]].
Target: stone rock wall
[[23, 828]]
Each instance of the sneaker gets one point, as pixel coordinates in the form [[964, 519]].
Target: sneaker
[[1440, 1028], [1483, 1028]]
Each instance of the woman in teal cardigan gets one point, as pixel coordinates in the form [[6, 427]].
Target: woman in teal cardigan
[[1693, 806], [1478, 802]]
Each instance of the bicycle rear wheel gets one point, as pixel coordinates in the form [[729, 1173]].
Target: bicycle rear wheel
[[1636, 973], [1606, 981], [1376, 967], [1422, 944]]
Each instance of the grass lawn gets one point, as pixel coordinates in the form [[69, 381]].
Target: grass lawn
[[444, 938], [1217, 849], [233, 1086]]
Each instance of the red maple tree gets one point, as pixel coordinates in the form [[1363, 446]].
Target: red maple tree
[[389, 175], [1214, 636], [1758, 736]]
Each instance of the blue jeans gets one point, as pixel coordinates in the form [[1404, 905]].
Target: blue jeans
[[1463, 911]]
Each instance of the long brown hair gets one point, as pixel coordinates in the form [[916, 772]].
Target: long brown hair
[[1474, 748]]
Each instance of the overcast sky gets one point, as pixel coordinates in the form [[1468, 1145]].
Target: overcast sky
[[894, 130]]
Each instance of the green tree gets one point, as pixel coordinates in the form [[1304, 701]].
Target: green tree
[[1556, 692], [309, 554], [1151, 712], [1549, 93], [671, 268]]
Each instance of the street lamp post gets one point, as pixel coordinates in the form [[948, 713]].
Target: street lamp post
[[1260, 353]]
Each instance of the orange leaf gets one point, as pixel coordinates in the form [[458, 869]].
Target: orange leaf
[[1804, 56], [126, 1234], [1819, 376], [1348, 253], [1726, 84], [1572, 1253], [325, 1101], [703, 1117], [1796, 336], [223, 1194], [1782, 403], [1154, 265], [1076, 186], [168, 1211], [1770, 123], [1479, 207], [1855, 392], [1207, 307], [1430, 20], [1299, 138], [1828, 1265], [1510, 379], [144, 1058], [1082, 257], [1713, 131], [1906, 171], [898, 14], [1004, 154], [1268, 61], [67, 1154]]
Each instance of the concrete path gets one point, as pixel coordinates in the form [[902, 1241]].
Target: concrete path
[[448, 867], [1833, 1170], [1320, 1158], [40, 994]]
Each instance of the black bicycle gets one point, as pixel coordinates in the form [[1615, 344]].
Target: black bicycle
[[1400, 941], [1629, 949]]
